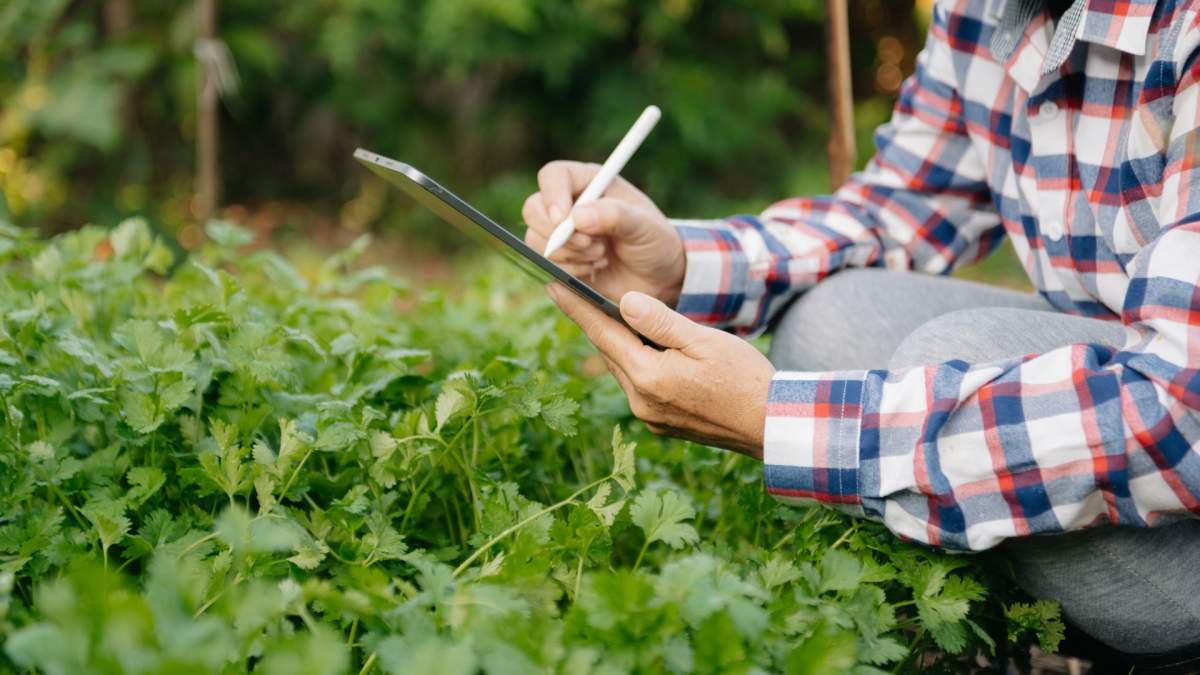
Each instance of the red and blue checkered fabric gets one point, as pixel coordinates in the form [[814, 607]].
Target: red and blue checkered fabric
[[1092, 172]]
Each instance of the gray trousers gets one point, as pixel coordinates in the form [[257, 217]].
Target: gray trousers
[[1138, 591]]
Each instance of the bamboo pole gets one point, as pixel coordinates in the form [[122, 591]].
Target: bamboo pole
[[207, 118], [842, 153]]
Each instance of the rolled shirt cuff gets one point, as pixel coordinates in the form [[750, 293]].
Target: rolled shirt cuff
[[813, 438], [714, 287]]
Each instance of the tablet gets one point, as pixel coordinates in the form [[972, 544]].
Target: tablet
[[467, 218]]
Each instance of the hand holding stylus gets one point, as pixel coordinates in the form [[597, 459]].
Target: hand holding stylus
[[608, 171], [622, 241]]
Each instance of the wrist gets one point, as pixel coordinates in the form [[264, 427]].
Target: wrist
[[676, 272], [670, 294], [757, 422]]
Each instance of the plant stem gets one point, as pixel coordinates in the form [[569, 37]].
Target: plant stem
[[194, 544], [426, 437], [845, 535], [474, 440], [413, 500], [638, 563], [462, 526], [367, 665], [58, 494], [213, 600], [579, 571], [288, 484], [492, 542], [785, 539]]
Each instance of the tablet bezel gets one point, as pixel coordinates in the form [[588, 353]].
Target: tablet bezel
[[454, 210]]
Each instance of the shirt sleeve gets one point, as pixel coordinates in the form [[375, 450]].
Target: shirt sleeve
[[965, 455], [921, 203]]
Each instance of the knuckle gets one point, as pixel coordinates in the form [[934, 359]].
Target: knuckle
[[607, 212], [588, 325], [640, 409], [549, 172], [529, 209], [646, 380], [659, 325]]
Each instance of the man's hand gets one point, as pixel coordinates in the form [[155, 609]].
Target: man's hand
[[622, 242], [707, 386]]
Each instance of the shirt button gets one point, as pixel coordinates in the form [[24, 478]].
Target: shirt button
[[1053, 230], [1048, 110]]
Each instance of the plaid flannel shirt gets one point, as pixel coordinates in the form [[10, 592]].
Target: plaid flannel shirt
[[1084, 151]]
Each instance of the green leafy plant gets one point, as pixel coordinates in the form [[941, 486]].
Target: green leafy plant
[[222, 464]]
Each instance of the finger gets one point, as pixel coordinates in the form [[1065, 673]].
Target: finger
[[638, 405], [611, 217], [591, 254], [560, 182], [658, 429], [579, 270], [533, 211], [621, 375], [535, 239], [580, 241], [576, 253], [568, 254], [612, 339], [661, 324]]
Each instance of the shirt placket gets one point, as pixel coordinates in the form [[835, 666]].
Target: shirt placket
[[1050, 142], [1045, 181]]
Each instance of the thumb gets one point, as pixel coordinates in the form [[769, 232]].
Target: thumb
[[653, 319]]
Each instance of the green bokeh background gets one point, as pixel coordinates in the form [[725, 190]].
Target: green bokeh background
[[98, 107]]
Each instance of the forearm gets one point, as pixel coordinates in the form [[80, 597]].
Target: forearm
[[921, 203]]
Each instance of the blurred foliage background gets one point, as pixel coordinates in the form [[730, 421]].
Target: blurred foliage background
[[98, 104]]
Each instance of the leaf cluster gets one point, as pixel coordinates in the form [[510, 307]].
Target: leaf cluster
[[221, 464]]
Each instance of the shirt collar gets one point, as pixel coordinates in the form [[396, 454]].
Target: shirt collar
[[1120, 24], [1024, 43]]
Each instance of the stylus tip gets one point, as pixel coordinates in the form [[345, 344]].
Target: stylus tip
[[558, 237]]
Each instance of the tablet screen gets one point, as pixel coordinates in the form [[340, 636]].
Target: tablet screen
[[467, 218]]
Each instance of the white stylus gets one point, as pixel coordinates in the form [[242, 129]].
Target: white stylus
[[604, 177]]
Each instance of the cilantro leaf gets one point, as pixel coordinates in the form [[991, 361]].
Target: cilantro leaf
[[624, 460], [661, 515]]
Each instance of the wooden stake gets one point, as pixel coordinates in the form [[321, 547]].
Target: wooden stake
[[842, 153], [118, 17], [208, 177]]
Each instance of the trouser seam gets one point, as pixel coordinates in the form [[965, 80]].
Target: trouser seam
[[1149, 582]]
